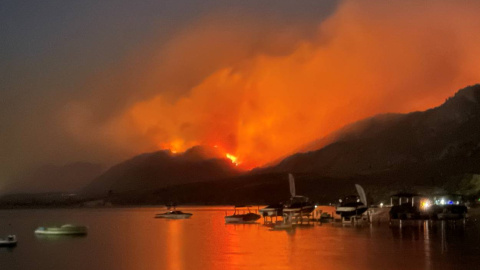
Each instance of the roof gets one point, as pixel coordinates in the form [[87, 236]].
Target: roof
[[406, 194]]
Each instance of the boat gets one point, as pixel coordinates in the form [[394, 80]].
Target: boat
[[272, 210], [352, 206], [409, 206], [298, 205], [242, 214], [326, 218], [448, 207], [67, 229], [9, 241], [175, 214]]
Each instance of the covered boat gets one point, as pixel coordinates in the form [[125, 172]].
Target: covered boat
[[9, 241], [409, 206], [297, 205], [175, 214], [448, 207], [67, 229], [352, 206], [242, 214]]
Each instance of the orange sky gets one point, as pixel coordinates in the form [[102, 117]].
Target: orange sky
[[369, 57]]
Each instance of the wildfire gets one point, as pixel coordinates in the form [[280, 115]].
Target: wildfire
[[264, 106], [232, 158]]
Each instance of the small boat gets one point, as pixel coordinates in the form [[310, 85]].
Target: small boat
[[448, 207], [452, 212], [9, 241], [242, 216], [67, 229], [174, 215], [326, 218], [298, 205], [408, 206], [352, 206]]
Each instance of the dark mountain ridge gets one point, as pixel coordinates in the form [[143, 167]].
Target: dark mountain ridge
[[391, 141], [439, 147], [160, 169]]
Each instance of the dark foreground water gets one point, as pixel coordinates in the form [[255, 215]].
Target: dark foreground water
[[133, 239]]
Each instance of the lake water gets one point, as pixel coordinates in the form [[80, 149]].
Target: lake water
[[132, 239]]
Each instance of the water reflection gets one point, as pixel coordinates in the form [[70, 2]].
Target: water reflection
[[444, 244], [130, 239], [174, 241], [52, 237], [7, 249]]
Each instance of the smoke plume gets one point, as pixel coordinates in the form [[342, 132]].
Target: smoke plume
[[260, 97]]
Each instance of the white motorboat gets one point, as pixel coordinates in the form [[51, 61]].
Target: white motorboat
[[67, 229], [9, 241], [174, 215]]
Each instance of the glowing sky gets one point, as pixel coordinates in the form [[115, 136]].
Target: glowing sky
[[102, 82]]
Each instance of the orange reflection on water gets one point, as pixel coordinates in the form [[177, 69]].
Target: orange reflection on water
[[131, 239], [252, 246], [205, 242], [174, 258]]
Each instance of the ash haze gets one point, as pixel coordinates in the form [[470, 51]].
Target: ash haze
[[101, 82]]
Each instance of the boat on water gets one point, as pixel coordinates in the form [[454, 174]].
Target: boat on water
[[174, 214], [297, 205], [352, 206], [9, 241], [409, 206], [326, 218], [242, 214], [448, 207], [272, 210], [67, 229]]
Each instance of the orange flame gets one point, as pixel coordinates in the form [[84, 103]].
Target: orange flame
[[232, 158]]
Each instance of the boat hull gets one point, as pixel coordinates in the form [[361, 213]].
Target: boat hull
[[271, 212], [174, 216], [6, 243], [349, 211], [64, 230], [450, 216], [449, 212], [407, 212], [245, 218], [299, 210]]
